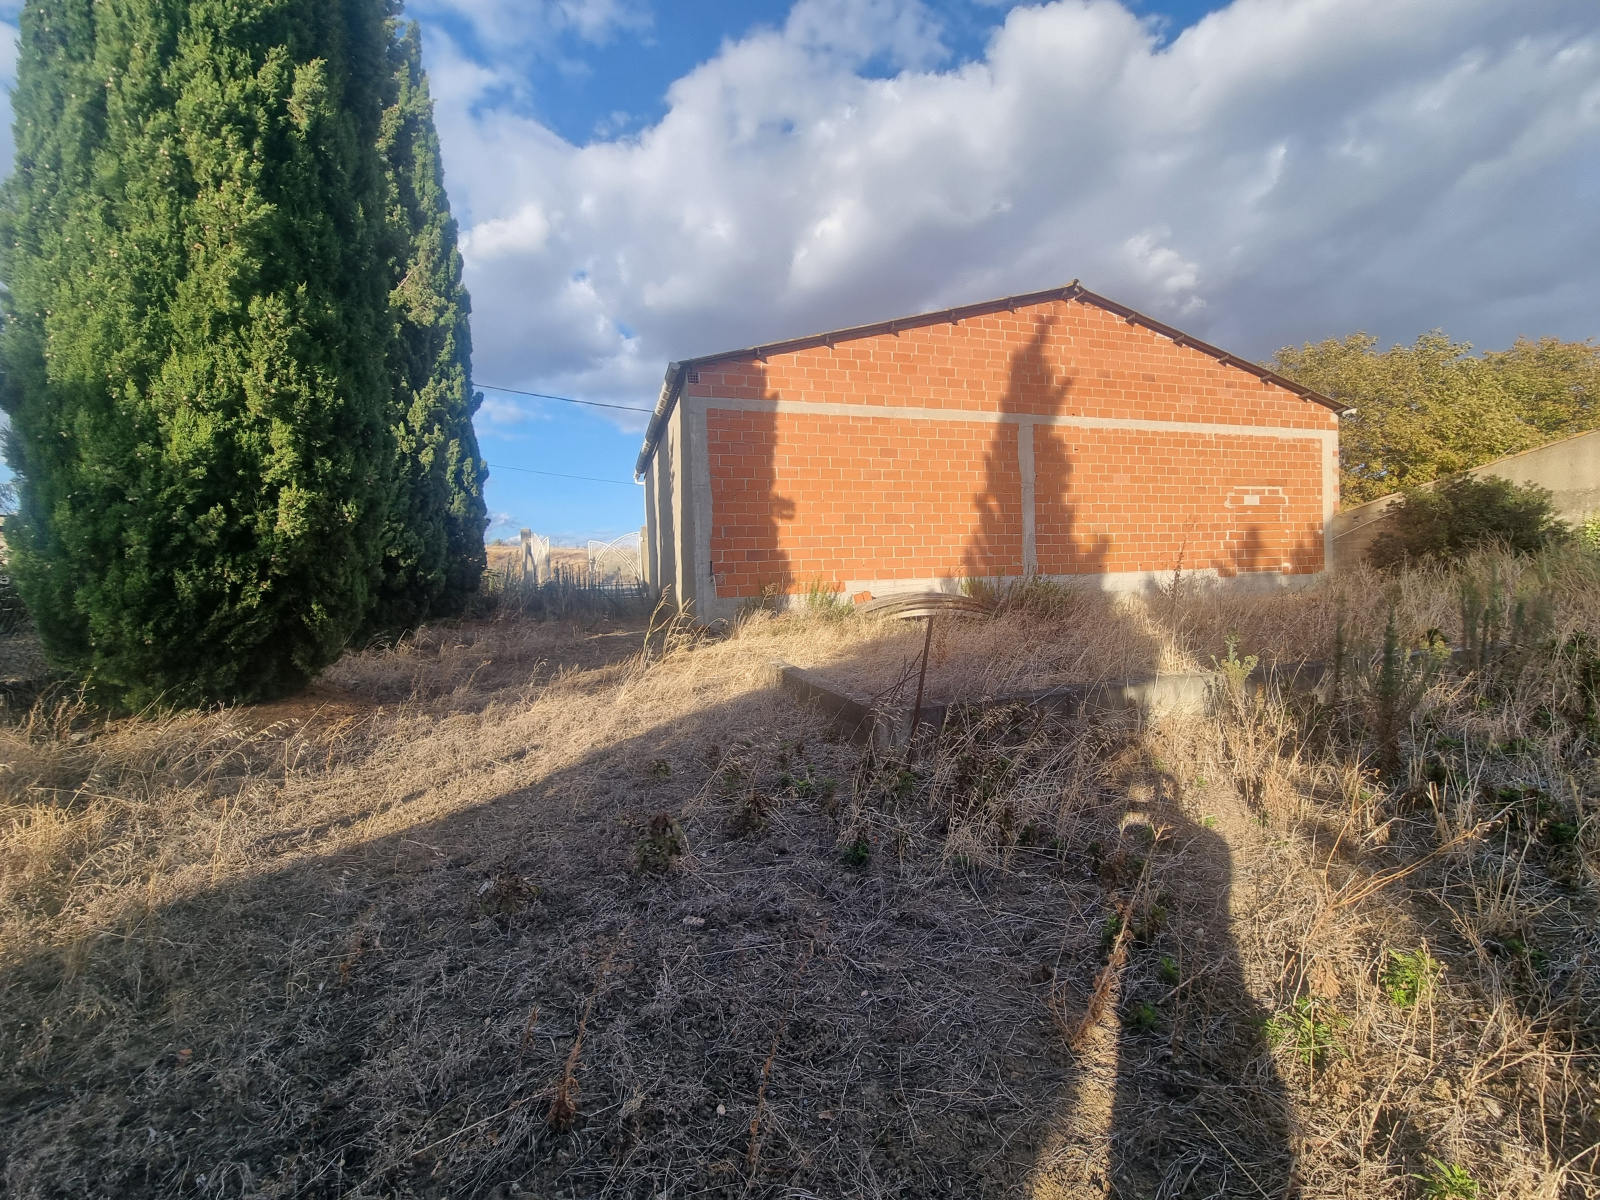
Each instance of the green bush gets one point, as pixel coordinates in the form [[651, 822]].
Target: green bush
[[1463, 513], [434, 556], [1589, 532], [13, 613]]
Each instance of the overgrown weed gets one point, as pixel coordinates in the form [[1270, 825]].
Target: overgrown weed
[[1046, 903]]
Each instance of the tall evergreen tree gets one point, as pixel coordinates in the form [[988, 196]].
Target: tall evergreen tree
[[433, 541], [197, 329]]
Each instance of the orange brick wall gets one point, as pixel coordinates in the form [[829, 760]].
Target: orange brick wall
[[1133, 500], [797, 498], [882, 493], [1065, 358]]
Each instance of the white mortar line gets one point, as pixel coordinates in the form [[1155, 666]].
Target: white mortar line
[[701, 404]]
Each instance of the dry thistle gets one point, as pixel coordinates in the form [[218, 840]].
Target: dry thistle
[[564, 1104]]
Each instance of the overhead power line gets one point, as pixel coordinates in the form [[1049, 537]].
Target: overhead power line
[[564, 400], [559, 475]]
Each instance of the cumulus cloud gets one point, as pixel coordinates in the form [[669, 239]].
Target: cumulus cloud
[[1283, 169], [507, 28]]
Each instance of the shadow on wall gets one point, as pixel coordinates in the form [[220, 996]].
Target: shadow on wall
[[997, 545], [1259, 539], [748, 561], [744, 1011]]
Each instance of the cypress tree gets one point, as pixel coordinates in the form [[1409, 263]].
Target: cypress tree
[[433, 540], [197, 327]]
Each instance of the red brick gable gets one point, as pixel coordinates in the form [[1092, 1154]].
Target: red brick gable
[[1080, 360], [1063, 436]]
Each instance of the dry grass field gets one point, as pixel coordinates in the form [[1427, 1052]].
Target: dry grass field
[[555, 909]]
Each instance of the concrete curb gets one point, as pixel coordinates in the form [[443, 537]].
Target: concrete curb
[[860, 721]]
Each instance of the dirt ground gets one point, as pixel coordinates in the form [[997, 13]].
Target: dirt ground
[[522, 908]]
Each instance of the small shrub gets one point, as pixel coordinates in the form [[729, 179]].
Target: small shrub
[[1308, 1029], [503, 894], [751, 815], [1398, 687], [1589, 532], [856, 853], [825, 598], [660, 769], [1235, 670], [1407, 976], [828, 796], [1167, 971], [1110, 930], [1561, 833], [1515, 947], [1142, 1017], [662, 843], [1150, 923], [1447, 1181], [905, 784], [1463, 513]]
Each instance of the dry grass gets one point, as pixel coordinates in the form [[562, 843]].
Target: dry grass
[[1016, 651], [1046, 635], [517, 906]]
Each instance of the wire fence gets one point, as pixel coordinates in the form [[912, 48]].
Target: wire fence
[[563, 594]]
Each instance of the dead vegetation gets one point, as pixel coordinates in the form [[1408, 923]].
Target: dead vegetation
[[537, 907]]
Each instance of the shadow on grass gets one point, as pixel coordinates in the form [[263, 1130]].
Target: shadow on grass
[[768, 1015]]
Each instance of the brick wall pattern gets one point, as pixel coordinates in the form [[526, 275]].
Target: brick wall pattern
[[920, 454]]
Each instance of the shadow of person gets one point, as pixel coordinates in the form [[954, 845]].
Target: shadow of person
[[1172, 1089], [739, 949], [1200, 1109]]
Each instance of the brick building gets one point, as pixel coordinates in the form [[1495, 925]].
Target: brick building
[[1058, 434]]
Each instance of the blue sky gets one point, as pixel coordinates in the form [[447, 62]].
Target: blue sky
[[589, 86], [597, 85], [642, 180]]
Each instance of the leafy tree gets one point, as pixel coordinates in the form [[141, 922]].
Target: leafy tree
[[433, 541], [1432, 409], [1462, 513], [197, 326]]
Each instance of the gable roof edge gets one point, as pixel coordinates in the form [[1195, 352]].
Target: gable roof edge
[[672, 384]]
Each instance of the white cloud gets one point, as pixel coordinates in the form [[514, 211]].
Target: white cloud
[[502, 414], [507, 26], [1283, 169], [1164, 269]]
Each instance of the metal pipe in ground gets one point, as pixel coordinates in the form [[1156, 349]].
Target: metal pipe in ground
[[922, 678]]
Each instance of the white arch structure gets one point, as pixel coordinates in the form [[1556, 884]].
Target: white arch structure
[[615, 561]]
